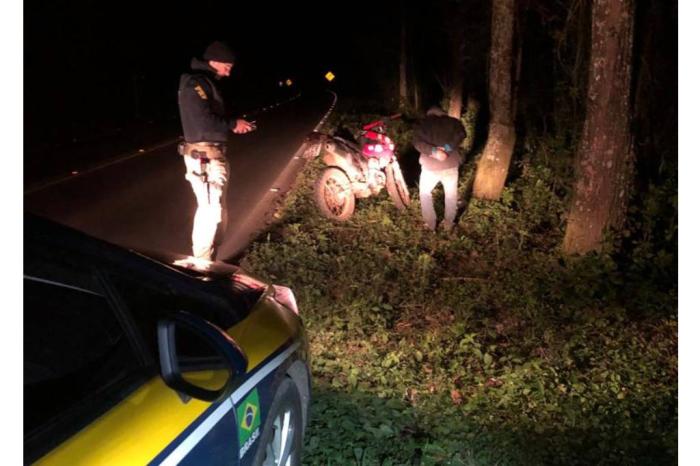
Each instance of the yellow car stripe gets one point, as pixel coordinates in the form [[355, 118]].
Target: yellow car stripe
[[264, 332], [146, 422]]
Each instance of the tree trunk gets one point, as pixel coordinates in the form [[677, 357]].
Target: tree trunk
[[413, 67], [469, 120], [493, 167], [416, 95], [604, 161], [403, 78], [454, 108]]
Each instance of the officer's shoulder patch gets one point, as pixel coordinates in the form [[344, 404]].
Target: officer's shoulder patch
[[198, 88]]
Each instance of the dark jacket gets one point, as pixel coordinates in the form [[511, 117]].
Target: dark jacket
[[438, 131], [202, 109]]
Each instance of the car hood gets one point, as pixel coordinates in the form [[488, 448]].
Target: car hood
[[211, 271]]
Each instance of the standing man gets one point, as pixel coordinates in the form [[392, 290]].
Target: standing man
[[206, 128], [437, 137]]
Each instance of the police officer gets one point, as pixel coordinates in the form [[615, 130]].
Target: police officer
[[206, 128]]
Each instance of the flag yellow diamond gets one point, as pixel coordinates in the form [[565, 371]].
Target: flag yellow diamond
[[330, 76]]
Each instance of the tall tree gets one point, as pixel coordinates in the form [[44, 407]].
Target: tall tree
[[456, 16], [415, 77], [416, 94], [604, 160], [453, 16], [493, 166], [456, 87], [403, 61]]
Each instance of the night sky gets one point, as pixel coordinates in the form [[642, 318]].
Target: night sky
[[90, 64], [92, 68]]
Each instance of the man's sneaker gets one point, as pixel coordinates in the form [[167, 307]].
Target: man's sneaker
[[427, 227]]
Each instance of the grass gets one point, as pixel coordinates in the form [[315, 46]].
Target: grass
[[479, 348]]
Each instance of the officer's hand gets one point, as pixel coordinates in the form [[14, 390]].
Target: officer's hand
[[242, 126], [441, 155]]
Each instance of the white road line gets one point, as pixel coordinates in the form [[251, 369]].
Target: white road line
[[117, 160], [99, 167], [328, 114], [250, 224]]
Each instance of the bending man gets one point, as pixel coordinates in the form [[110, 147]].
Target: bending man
[[437, 137]]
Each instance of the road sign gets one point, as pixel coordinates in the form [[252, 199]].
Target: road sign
[[330, 76]]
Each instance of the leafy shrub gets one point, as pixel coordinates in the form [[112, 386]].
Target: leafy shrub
[[486, 346]]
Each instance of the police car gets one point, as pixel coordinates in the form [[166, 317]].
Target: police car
[[129, 360]]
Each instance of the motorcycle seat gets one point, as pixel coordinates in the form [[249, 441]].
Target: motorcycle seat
[[350, 145]]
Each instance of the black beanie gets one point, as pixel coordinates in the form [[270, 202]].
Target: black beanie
[[219, 51]]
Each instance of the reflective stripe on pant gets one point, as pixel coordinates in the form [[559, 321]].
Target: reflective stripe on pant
[[428, 180], [209, 196]]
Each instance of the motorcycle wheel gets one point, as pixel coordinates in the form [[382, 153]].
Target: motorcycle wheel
[[334, 195], [396, 186]]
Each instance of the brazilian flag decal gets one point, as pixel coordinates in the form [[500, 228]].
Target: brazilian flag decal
[[248, 421]]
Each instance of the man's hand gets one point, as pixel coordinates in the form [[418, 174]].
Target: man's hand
[[242, 126], [440, 155]]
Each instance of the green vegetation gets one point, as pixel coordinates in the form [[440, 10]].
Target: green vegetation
[[485, 346]]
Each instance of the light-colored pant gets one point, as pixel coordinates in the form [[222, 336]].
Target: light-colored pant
[[428, 180], [208, 182]]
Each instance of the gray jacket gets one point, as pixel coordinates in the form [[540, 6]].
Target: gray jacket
[[439, 131]]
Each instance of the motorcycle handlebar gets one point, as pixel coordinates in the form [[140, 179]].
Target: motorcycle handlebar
[[381, 122]]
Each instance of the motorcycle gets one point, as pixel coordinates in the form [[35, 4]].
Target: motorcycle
[[357, 170]]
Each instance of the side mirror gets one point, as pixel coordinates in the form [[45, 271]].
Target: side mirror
[[197, 358]]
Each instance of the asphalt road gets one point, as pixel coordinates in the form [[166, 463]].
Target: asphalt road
[[145, 203]]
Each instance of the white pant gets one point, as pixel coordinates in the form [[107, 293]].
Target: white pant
[[208, 182], [428, 180]]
